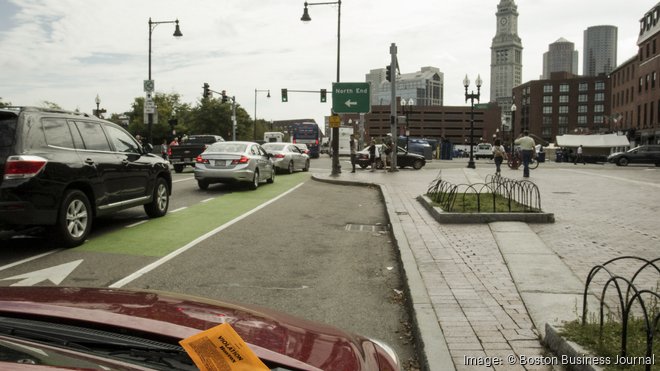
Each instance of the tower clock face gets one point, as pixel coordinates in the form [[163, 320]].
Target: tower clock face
[[503, 21]]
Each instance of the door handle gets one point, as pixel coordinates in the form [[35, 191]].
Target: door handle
[[89, 161], [124, 162]]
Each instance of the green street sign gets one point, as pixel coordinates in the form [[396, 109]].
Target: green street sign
[[351, 97], [481, 106]]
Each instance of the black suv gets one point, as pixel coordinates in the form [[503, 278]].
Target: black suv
[[62, 169]]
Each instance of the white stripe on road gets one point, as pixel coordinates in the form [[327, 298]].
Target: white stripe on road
[[207, 200], [137, 223], [182, 180], [29, 259], [130, 278], [638, 182], [179, 209]]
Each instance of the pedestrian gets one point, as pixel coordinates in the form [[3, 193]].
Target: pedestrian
[[164, 149], [527, 148], [579, 157], [174, 142], [138, 137], [499, 155], [387, 150], [353, 146], [372, 154]]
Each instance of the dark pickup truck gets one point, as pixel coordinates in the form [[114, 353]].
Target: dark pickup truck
[[189, 148]]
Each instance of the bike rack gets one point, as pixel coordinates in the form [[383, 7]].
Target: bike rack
[[522, 192]]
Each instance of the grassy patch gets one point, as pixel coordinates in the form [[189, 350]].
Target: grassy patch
[[473, 203], [608, 345]]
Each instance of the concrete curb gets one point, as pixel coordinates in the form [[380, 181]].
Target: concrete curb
[[433, 352], [471, 218], [563, 347]]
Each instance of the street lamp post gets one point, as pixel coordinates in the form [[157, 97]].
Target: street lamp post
[[98, 102], [177, 33], [472, 96], [255, 109], [335, 130], [513, 124]]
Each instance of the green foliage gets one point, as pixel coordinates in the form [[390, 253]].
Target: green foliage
[[4, 104]]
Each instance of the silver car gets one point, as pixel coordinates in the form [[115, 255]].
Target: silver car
[[229, 162], [287, 157]]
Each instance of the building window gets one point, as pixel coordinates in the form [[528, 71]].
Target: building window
[[563, 109], [582, 120], [547, 99], [546, 132], [599, 108], [563, 99], [547, 88], [584, 86], [582, 108], [563, 88], [599, 97], [598, 119], [547, 120], [600, 85], [653, 78], [547, 110], [562, 120], [583, 98], [641, 83]]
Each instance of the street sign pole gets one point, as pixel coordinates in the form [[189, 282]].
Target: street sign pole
[[395, 137]]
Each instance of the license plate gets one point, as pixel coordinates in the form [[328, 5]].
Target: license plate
[[220, 162], [187, 160]]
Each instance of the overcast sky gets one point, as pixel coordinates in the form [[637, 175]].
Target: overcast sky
[[68, 51]]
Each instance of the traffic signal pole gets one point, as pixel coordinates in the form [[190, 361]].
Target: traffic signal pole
[[393, 113]]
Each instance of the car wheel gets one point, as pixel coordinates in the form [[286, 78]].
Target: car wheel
[[306, 168], [418, 164], [623, 162], [74, 219], [255, 180], [289, 169], [271, 180], [363, 166], [160, 201], [178, 168], [203, 184]]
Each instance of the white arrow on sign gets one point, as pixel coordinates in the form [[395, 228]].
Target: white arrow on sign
[[55, 274], [350, 103]]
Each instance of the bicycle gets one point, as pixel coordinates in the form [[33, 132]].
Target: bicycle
[[515, 160]]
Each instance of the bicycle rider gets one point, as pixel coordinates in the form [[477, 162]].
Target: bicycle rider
[[527, 147]]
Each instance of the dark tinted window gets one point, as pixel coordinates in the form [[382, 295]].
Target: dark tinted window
[[122, 141], [93, 136], [57, 133], [77, 138], [7, 131], [200, 139]]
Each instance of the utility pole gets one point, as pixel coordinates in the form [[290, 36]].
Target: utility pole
[[393, 67]]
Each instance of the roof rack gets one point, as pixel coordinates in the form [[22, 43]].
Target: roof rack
[[45, 109]]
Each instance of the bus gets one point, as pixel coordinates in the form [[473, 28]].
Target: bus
[[308, 133]]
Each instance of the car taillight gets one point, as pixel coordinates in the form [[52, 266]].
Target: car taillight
[[169, 151], [242, 160], [201, 160], [278, 155], [21, 167]]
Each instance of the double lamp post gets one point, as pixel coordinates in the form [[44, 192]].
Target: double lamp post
[[472, 96]]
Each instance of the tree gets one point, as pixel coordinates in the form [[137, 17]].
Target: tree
[[4, 104], [167, 106]]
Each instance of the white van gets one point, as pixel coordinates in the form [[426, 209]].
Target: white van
[[484, 150]]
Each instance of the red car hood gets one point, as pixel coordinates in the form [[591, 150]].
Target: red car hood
[[272, 335]]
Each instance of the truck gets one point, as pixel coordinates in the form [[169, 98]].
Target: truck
[[273, 136], [185, 153], [344, 140]]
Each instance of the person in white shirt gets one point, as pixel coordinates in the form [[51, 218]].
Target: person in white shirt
[[527, 147], [579, 157]]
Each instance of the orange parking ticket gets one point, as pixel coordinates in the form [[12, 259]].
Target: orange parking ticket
[[221, 349]]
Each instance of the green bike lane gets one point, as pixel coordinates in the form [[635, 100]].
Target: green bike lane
[[107, 258]]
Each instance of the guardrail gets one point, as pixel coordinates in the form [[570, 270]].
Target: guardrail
[[632, 294], [522, 193]]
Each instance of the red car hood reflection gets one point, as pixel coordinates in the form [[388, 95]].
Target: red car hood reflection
[[273, 336]]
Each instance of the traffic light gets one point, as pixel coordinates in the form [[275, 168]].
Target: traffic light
[[285, 95], [224, 96], [206, 93], [388, 73], [323, 96]]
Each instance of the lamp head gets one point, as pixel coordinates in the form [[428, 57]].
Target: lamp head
[[478, 81], [466, 82], [513, 107], [268, 95], [177, 30], [305, 17], [97, 100]]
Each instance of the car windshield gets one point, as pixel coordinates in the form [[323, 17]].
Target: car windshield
[[227, 147], [273, 147]]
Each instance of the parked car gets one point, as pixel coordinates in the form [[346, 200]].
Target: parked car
[[287, 157], [302, 147], [484, 150], [185, 153], [403, 158], [646, 154], [116, 329], [229, 162], [60, 170]]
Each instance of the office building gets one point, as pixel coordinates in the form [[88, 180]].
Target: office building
[[560, 57], [600, 48], [425, 87]]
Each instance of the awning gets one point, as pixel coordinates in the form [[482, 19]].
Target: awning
[[593, 141]]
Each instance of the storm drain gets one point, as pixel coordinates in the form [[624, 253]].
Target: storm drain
[[365, 228]]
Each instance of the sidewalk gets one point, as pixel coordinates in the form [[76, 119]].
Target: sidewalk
[[480, 291]]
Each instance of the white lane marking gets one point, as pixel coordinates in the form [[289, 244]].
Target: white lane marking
[[29, 259], [182, 180], [131, 277], [179, 209], [207, 200], [137, 223], [55, 274]]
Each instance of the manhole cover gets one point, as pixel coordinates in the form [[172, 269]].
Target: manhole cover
[[366, 228]]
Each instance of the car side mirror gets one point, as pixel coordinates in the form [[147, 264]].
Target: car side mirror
[[147, 148]]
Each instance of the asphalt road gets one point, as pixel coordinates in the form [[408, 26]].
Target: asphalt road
[[322, 252]]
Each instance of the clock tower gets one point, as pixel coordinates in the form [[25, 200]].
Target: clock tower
[[506, 57]]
